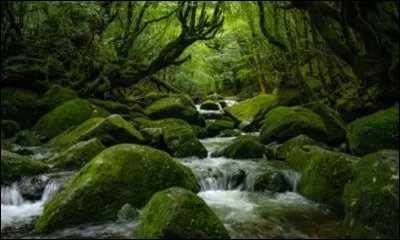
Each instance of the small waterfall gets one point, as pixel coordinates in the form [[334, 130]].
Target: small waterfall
[[50, 191], [217, 179], [293, 178], [11, 195]]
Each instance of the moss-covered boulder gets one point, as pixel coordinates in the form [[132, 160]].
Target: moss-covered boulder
[[121, 174], [69, 114], [243, 148], [71, 136], [78, 155], [176, 106], [374, 132], [111, 106], [19, 105], [177, 213], [335, 126], [127, 212], [113, 130], [298, 157], [371, 197], [349, 108], [200, 132], [9, 127], [247, 125], [55, 97], [15, 166], [249, 108], [209, 105], [179, 138], [325, 176], [26, 138], [212, 129], [290, 96], [153, 137], [283, 123], [224, 124], [280, 151]]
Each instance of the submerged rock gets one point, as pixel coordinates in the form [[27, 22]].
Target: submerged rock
[[209, 105], [15, 166], [284, 123], [371, 197], [67, 115], [176, 106], [178, 213], [121, 174], [374, 132], [78, 155], [272, 180]]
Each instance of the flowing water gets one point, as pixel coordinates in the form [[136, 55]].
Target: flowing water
[[227, 186]]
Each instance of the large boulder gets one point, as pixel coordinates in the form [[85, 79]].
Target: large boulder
[[176, 106], [26, 138], [243, 148], [325, 176], [19, 105], [55, 97], [283, 123], [67, 115], [121, 174], [272, 180], [179, 138], [209, 105], [280, 151], [371, 197], [249, 108], [177, 213], [110, 131], [15, 166], [374, 132], [78, 155], [9, 127], [335, 126]]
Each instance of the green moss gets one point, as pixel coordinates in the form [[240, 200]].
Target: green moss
[[283, 123], [26, 138], [78, 155], [15, 166], [212, 129], [112, 107], [153, 137], [271, 180], [200, 132], [372, 197], [374, 132], [229, 133], [349, 108], [69, 114], [113, 130], [19, 105], [224, 124], [335, 126], [55, 97], [178, 213], [179, 138], [280, 151], [299, 156], [69, 137], [325, 177], [289, 96], [209, 105], [9, 127], [249, 108], [243, 149], [175, 107], [121, 174]]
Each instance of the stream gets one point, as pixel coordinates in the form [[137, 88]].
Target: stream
[[227, 186]]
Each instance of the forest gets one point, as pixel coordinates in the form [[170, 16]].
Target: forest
[[199, 119]]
